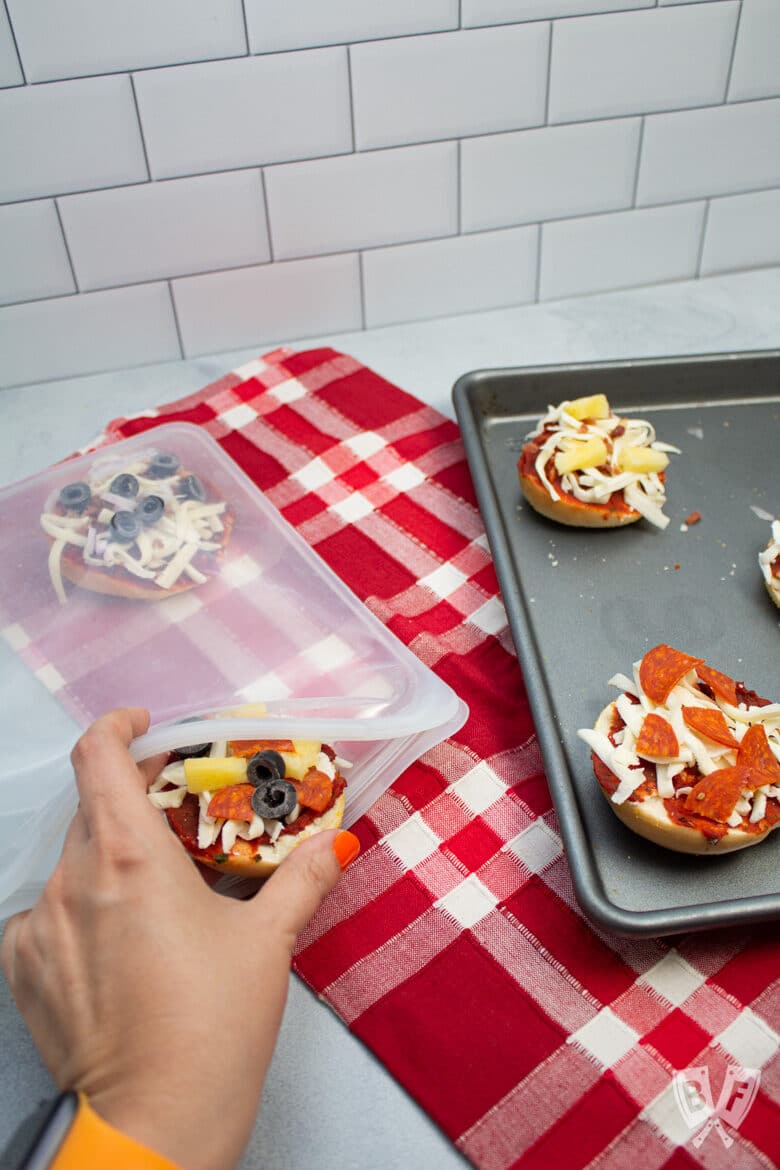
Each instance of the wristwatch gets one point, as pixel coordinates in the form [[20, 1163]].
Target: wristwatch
[[36, 1142]]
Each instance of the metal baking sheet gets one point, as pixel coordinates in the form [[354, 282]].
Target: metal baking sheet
[[583, 604]]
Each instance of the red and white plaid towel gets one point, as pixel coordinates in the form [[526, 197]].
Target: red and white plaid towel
[[454, 947]]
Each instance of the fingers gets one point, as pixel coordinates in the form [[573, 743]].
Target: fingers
[[293, 893], [110, 784], [8, 946]]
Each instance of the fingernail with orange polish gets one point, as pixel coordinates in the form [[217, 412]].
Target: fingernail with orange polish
[[346, 846]]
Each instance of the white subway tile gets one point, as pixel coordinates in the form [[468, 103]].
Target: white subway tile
[[68, 136], [72, 39], [614, 251], [460, 275], [449, 84], [10, 69], [84, 334], [756, 69], [362, 200], [481, 12], [277, 302], [720, 151], [743, 231], [33, 260], [636, 62], [244, 112], [549, 173], [172, 228], [273, 26]]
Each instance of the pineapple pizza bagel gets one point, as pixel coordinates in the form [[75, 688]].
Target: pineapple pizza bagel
[[242, 806], [586, 467], [687, 757]]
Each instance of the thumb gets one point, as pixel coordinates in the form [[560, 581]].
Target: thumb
[[293, 893]]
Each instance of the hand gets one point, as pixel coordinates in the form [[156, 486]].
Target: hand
[[144, 989]]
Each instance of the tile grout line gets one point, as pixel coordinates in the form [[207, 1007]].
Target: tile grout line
[[549, 74], [705, 219], [362, 291], [459, 189], [16, 43], [67, 249], [639, 144], [267, 210], [730, 69], [140, 127], [246, 28], [538, 281], [176, 319], [351, 99]]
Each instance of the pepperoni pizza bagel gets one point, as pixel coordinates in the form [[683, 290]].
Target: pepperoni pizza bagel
[[687, 757], [585, 467], [769, 560], [241, 807], [144, 531]]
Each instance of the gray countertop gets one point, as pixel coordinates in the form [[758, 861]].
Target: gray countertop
[[357, 1115]]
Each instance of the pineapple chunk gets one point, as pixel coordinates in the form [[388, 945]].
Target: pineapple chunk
[[249, 711], [594, 406], [581, 454], [207, 775], [642, 460], [298, 762]]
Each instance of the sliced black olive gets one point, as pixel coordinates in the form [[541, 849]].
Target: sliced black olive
[[124, 526], [192, 488], [75, 496], [193, 751], [264, 766], [274, 800], [150, 509], [163, 465], [124, 485]]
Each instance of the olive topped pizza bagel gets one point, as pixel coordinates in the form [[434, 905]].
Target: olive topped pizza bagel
[[242, 806], [687, 757], [144, 531], [586, 467], [769, 561]]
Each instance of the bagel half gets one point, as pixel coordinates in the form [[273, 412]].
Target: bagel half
[[687, 757], [648, 816], [188, 790], [247, 858], [172, 551], [571, 511], [585, 467]]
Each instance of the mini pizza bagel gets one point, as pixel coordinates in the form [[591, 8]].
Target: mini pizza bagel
[[687, 757], [585, 467], [143, 531], [242, 807], [769, 563]]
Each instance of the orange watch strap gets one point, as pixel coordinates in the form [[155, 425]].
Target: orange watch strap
[[93, 1144]]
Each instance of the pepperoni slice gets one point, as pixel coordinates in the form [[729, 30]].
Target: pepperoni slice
[[715, 796], [315, 791], [720, 684], [711, 724], [755, 753], [234, 803], [656, 739], [662, 668], [249, 747]]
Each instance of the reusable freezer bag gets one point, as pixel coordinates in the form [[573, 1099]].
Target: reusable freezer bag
[[236, 610]]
